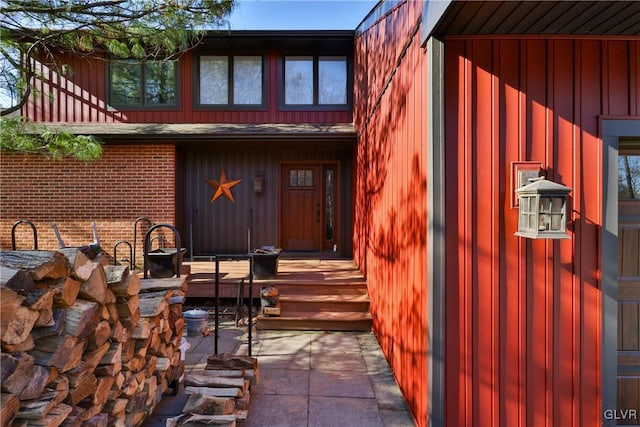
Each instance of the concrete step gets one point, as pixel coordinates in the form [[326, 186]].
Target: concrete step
[[318, 307], [313, 294], [317, 321], [325, 302], [204, 288], [315, 288]]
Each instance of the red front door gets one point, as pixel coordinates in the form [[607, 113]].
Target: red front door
[[301, 226]]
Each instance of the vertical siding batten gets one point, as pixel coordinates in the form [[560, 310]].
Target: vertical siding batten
[[466, 193], [542, 105], [510, 370], [563, 311], [481, 231]]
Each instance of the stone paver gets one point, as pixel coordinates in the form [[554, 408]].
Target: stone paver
[[319, 379], [348, 381], [341, 411], [269, 410], [340, 384]]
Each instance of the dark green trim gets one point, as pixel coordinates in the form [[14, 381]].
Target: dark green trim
[[436, 251], [230, 106], [612, 131]]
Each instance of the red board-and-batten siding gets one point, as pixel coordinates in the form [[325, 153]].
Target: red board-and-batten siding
[[82, 98], [523, 317], [390, 186]]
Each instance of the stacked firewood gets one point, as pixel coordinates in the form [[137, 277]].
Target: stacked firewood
[[220, 393], [84, 343]]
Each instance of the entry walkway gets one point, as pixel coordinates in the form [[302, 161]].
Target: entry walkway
[[307, 378]]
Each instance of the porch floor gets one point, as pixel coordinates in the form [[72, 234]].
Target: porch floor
[[314, 294]]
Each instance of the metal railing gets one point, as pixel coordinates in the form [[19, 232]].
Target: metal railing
[[232, 257]]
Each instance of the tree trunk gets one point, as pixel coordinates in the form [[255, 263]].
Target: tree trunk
[[127, 307], [85, 388], [59, 319], [102, 390], [25, 345], [95, 287], [63, 352], [204, 379], [151, 285], [9, 406], [38, 379], [16, 279], [150, 307], [17, 328], [41, 300], [208, 405], [99, 420], [86, 357], [67, 290], [16, 372], [129, 285], [40, 264], [79, 317], [81, 265], [55, 417], [228, 361], [99, 335]]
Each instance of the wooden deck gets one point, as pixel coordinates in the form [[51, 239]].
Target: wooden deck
[[315, 294]]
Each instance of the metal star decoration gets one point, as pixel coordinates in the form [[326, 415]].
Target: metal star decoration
[[222, 187]]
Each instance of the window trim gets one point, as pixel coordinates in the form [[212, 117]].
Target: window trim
[[315, 106], [142, 106], [229, 106]]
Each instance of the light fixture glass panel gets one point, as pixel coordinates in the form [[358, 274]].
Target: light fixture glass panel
[[532, 222], [545, 205], [557, 204], [557, 208]]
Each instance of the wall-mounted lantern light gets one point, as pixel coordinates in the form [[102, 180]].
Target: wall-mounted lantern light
[[258, 183], [543, 210]]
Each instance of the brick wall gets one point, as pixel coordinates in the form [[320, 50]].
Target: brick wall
[[127, 182]]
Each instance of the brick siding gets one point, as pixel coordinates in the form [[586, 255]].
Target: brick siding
[[127, 182]]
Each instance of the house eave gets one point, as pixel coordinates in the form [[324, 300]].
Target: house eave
[[525, 17], [208, 131]]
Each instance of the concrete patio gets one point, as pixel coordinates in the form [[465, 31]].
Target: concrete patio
[[307, 378]]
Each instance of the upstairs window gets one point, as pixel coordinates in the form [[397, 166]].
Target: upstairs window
[[315, 81], [147, 84], [231, 81]]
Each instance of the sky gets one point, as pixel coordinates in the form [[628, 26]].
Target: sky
[[299, 14]]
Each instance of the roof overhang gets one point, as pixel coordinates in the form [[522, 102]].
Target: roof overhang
[[333, 41], [443, 18], [173, 132]]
